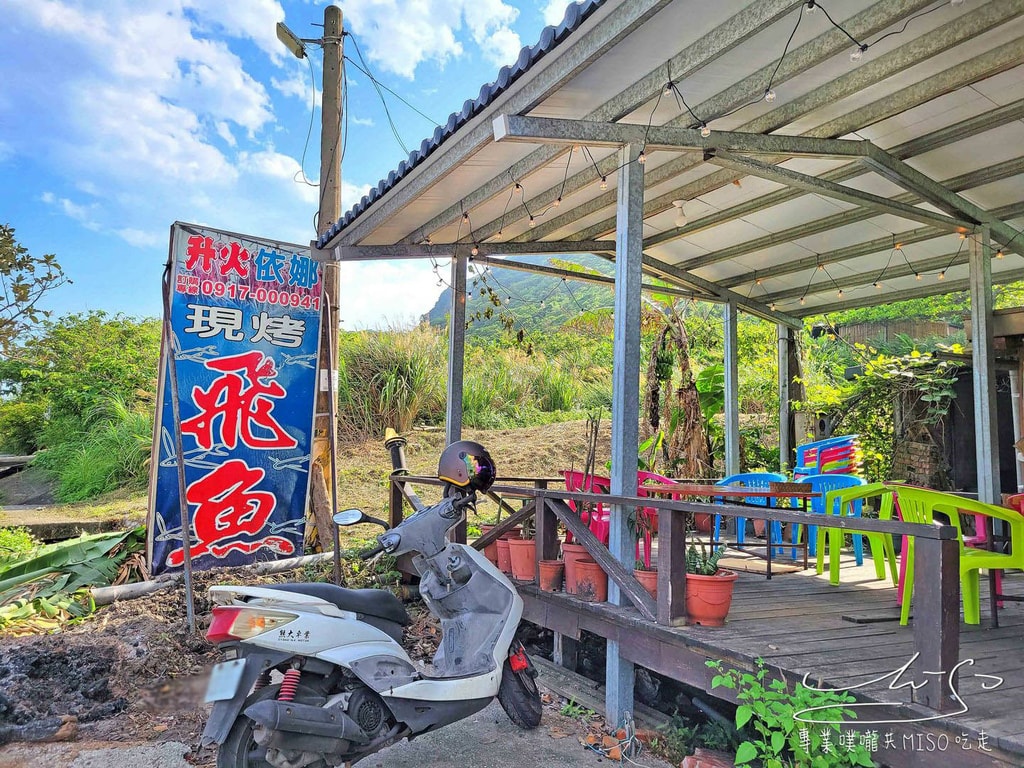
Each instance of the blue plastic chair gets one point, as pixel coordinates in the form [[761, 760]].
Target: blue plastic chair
[[808, 465], [751, 480], [823, 484]]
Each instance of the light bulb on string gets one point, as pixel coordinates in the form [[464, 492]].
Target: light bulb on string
[[858, 53], [641, 158], [942, 275], [962, 235], [507, 300], [604, 183], [668, 89], [474, 251], [680, 218], [840, 293], [999, 253], [769, 95], [533, 222], [704, 130], [465, 217], [803, 301], [878, 285], [542, 305], [821, 267], [772, 306], [917, 275], [558, 202], [811, 5]]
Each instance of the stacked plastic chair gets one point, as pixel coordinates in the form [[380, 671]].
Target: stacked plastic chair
[[834, 455]]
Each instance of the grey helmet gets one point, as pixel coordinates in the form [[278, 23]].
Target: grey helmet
[[467, 465]]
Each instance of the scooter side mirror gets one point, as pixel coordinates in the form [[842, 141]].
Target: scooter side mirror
[[349, 517]]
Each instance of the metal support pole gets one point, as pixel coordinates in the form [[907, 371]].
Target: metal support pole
[[984, 370], [732, 390], [456, 363], [1015, 405], [785, 448], [625, 403], [330, 211]]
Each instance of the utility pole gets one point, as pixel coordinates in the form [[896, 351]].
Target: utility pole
[[323, 494]]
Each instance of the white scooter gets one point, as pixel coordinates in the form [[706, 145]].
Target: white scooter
[[344, 687]]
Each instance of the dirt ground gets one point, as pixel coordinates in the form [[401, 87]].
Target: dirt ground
[[132, 673]]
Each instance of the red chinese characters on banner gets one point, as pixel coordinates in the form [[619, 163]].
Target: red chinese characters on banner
[[230, 514], [241, 401]]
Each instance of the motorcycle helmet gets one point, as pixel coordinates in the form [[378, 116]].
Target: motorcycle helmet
[[467, 465]]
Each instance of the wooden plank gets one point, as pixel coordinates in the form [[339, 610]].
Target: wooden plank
[[505, 525], [615, 570], [937, 622]]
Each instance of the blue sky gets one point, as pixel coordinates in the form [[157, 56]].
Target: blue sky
[[118, 117]]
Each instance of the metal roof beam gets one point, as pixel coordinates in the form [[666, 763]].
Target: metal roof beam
[[598, 34], [946, 286], [716, 43], [972, 126], [914, 181], [585, 277], [820, 186], [446, 250], [553, 130], [672, 272], [864, 279], [858, 79], [871, 21], [967, 181]]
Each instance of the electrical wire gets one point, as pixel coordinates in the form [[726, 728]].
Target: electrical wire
[[366, 71], [309, 130], [379, 88]]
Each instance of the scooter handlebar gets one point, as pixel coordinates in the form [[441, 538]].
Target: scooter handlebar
[[372, 552]]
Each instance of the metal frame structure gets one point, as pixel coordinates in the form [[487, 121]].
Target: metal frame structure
[[630, 111]]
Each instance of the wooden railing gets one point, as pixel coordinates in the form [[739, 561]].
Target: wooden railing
[[936, 586]]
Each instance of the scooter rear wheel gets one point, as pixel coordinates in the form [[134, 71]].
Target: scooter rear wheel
[[519, 697], [240, 749]]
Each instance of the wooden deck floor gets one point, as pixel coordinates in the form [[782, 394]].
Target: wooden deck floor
[[845, 636]]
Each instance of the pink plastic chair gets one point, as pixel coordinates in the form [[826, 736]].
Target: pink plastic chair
[[598, 518]]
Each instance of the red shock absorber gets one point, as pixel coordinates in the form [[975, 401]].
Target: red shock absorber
[[289, 685], [262, 681]]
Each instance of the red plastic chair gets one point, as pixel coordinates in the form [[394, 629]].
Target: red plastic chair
[[598, 518], [650, 514]]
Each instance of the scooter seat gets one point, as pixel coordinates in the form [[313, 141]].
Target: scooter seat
[[370, 602]]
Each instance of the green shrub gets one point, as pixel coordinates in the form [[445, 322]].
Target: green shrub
[[15, 543], [21, 426], [112, 452]]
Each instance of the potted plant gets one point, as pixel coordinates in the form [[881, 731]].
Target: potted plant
[[708, 587], [643, 570], [523, 553]]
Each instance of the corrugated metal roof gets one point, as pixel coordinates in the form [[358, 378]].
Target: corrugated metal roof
[[575, 15]]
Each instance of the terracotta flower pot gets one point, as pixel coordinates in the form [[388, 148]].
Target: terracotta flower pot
[[649, 581], [513, 533], [572, 554], [491, 550], [551, 572], [703, 523], [708, 598], [591, 582], [504, 558], [523, 555]]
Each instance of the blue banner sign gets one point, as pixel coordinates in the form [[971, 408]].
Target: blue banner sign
[[245, 316]]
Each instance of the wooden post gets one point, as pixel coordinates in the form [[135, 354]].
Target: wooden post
[[566, 651], [546, 536], [671, 567], [937, 619]]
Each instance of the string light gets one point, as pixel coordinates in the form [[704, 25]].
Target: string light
[[878, 285], [772, 306], [802, 301], [542, 304], [942, 275], [917, 275], [821, 266], [999, 253], [962, 235], [507, 300], [840, 293], [668, 89], [704, 130], [533, 222], [811, 5], [604, 183], [769, 95], [474, 251], [858, 52], [680, 218], [558, 202], [641, 158], [758, 281]]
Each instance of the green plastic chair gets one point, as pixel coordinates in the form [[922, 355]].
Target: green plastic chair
[[843, 500], [919, 505]]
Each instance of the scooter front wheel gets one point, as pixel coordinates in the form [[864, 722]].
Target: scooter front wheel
[[519, 696]]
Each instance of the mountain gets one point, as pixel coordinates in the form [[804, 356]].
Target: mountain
[[499, 298]]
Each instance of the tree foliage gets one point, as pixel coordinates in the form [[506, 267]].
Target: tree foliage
[[24, 280]]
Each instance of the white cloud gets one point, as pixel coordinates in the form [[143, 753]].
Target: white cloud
[[367, 121], [83, 214], [399, 39], [140, 239], [224, 131], [385, 293], [554, 12], [352, 194]]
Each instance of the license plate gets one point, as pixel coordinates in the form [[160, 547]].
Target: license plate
[[224, 681]]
